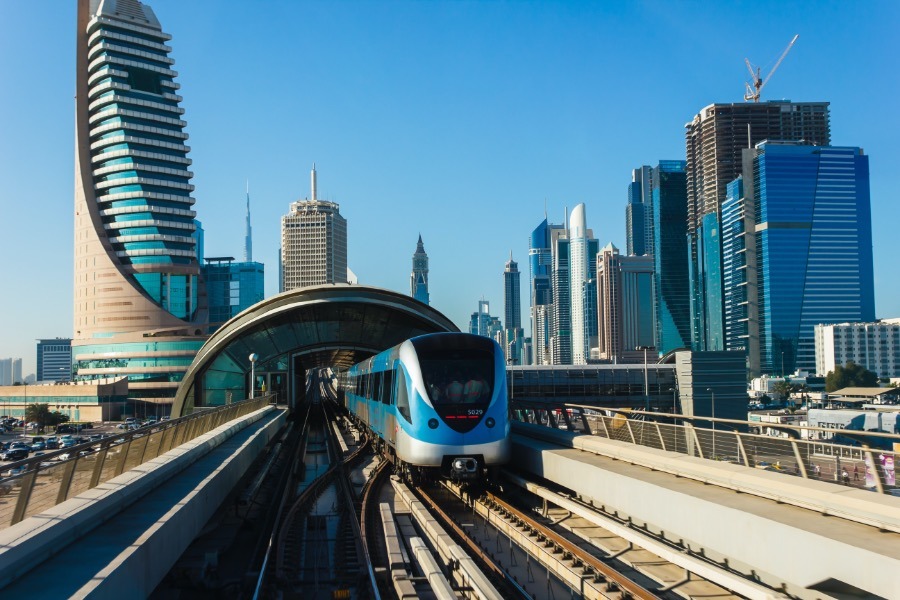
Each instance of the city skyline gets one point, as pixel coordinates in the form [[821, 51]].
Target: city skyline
[[408, 142]]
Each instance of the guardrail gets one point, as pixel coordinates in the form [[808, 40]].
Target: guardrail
[[41, 482], [801, 451]]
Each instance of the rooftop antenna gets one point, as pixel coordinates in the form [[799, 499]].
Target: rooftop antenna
[[754, 90]]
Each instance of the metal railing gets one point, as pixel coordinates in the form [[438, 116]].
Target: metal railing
[[41, 482], [864, 461]]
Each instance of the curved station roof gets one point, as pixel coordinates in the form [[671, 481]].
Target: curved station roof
[[321, 326]]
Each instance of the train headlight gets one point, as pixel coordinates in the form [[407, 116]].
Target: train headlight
[[490, 422], [433, 423]]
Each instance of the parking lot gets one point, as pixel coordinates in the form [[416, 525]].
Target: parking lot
[[19, 434]]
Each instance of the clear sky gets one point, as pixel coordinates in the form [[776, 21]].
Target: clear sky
[[456, 120]]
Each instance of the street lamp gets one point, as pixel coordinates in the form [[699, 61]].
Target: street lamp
[[713, 421], [646, 387], [253, 358], [674, 400]]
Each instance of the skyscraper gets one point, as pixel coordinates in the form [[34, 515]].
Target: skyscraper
[[579, 274], [418, 280], [814, 247], [313, 243], [624, 302], [561, 323], [248, 235], [139, 309], [54, 359], [670, 257], [512, 311], [739, 290], [715, 139], [639, 213], [540, 264]]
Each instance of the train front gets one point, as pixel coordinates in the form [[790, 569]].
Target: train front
[[459, 418]]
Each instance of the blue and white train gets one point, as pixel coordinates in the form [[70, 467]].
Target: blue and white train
[[436, 402]]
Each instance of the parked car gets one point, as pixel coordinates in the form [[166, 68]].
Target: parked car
[[67, 441], [52, 443], [35, 446], [14, 453], [65, 429]]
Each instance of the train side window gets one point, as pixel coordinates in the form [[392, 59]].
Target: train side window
[[402, 398], [387, 387], [376, 387]]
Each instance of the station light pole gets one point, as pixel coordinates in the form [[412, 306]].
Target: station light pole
[[646, 386], [253, 358], [713, 394]]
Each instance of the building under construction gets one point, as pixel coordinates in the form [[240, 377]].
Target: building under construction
[[719, 132], [715, 138]]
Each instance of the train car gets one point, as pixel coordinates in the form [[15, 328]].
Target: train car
[[437, 403]]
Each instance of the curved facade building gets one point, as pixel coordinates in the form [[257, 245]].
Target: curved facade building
[[139, 305]]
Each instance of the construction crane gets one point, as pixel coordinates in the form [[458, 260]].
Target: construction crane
[[755, 89]]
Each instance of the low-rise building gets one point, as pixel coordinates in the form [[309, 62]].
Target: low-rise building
[[95, 401], [875, 346]]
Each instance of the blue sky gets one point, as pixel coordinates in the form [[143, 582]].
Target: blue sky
[[459, 120]]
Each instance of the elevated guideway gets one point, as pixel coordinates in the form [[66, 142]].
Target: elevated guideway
[[120, 538], [809, 538]]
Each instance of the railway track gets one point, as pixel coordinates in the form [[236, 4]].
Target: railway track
[[440, 541]]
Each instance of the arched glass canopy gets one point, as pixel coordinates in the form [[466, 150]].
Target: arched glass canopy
[[322, 326]]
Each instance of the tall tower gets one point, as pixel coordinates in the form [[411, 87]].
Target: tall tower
[[313, 243], [670, 257], [248, 235], [715, 139], [540, 264], [639, 213], [512, 297], [625, 302], [418, 279], [813, 244], [512, 305], [579, 274], [561, 319], [138, 300]]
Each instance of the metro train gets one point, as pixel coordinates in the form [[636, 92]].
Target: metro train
[[436, 404]]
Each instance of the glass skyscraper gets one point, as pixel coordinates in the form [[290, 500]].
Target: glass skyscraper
[[139, 310], [540, 266], [814, 247], [670, 256], [561, 324], [738, 271], [639, 213]]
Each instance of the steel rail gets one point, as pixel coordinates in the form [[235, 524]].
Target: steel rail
[[473, 548], [599, 567], [260, 580]]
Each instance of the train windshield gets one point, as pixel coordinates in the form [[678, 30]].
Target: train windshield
[[458, 372]]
